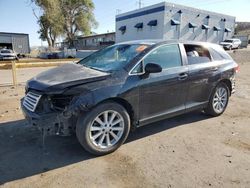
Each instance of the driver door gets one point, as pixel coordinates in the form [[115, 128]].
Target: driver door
[[163, 94]]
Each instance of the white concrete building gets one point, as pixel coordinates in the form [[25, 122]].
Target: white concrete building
[[171, 21]]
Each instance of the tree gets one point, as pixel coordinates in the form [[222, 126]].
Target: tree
[[78, 17], [51, 20], [65, 17]]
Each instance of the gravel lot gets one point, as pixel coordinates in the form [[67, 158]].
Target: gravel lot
[[192, 150]]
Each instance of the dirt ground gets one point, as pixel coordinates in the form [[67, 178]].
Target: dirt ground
[[192, 150]]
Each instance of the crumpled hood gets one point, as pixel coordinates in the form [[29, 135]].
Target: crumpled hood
[[62, 77]]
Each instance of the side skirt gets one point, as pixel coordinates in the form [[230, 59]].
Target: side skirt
[[168, 114]]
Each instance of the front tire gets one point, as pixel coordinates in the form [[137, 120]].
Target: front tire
[[104, 129], [218, 100]]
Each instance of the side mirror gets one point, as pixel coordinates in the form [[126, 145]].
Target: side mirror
[[153, 68]]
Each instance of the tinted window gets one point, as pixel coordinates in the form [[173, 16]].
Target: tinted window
[[219, 53], [113, 57], [138, 68], [197, 54], [216, 55], [166, 56]]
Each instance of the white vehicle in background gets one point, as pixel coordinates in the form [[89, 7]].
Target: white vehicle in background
[[69, 52], [7, 54], [230, 44]]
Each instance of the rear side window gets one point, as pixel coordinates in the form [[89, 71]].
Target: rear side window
[[167, 56], [218, 53], [197, 54]]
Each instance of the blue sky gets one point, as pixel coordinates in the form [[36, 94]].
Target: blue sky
[[17, 16]]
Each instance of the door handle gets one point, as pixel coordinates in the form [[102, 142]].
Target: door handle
[[183, 76]]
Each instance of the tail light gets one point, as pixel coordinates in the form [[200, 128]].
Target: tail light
[[237, 68]]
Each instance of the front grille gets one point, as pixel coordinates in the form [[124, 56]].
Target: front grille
[[31, 100]]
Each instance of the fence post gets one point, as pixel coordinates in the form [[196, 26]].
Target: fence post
[[13, 64]]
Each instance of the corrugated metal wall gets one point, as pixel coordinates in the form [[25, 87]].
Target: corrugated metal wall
[[19, 42]]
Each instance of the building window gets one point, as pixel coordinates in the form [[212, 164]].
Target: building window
[[227, 30], [192, 26], [123, 29], [205, 27], [216, 30], [99, 39], [152, 23], [175, 23], [139, 26], [180, 12]]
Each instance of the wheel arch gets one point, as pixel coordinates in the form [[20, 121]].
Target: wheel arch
[[225, 81], [228, 83], [125, 104]]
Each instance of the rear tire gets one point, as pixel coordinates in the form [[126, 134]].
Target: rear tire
[[218, 100], [103, 129]]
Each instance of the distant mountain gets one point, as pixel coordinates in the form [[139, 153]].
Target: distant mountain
[[242, 28]]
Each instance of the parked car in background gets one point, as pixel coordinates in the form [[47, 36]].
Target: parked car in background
[[7, 54], [128, 85], [230, 44]]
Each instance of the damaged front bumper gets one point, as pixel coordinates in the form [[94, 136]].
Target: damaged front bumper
[[51, 123]]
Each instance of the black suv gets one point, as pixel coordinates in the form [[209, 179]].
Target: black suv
[[127, 85]]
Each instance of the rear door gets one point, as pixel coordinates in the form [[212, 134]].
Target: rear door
[[203, 74]]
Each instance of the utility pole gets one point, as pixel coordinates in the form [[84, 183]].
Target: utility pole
[[118, 11], [140, 3]]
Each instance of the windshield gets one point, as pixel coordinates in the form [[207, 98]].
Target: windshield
[[6, 51], [228, 40], [113, 57]]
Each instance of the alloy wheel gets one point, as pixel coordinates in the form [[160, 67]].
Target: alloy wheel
[[106, 129], [220, 100]]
